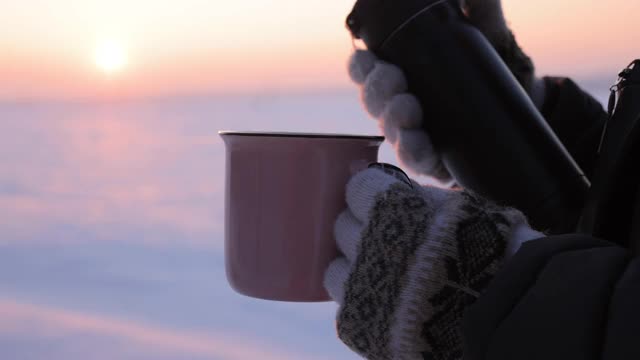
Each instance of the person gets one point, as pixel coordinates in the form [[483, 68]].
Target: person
[[441, 273]]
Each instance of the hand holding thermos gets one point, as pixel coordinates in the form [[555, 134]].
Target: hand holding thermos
[[385, 94], [457, 74]]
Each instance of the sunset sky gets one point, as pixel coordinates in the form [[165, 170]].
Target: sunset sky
[[51, 48]]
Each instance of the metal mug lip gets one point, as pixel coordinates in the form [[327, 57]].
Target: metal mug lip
[[393, 171], [303, 135]]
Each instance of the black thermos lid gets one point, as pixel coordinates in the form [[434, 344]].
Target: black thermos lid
[[374, 21]]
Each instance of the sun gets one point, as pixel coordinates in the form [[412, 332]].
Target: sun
[[110, 56]]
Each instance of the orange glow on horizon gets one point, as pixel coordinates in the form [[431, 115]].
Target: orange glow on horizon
[[199, 46]]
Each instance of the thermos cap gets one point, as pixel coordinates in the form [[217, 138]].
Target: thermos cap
[[374, 21]]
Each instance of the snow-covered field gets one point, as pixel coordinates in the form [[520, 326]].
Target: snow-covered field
[[111, 230]]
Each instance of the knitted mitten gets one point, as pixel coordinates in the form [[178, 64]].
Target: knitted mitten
[[414, 258], [384, 90]]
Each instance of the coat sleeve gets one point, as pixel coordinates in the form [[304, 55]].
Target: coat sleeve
[[562, 297], [576, 117]]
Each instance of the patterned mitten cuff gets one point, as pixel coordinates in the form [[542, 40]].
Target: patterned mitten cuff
[[466, 246], [415, 258]]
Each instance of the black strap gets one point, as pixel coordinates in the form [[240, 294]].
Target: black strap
[[612, 209]]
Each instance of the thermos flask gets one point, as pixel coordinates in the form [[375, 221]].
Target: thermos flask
[[491, 137]]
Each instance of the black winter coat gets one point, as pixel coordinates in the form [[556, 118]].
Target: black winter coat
[[559, 298], [568, 296]]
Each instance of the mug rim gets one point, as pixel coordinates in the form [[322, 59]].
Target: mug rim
[[300, 135]]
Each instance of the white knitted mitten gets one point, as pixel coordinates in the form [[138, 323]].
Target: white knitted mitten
[[413, 259]]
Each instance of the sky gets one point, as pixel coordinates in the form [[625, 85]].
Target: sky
[[48, 47]]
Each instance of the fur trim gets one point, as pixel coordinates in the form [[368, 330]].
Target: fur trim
[[361, 63], [416, 152], [382, 84], [389, 130], [335, 277], [404, 111]]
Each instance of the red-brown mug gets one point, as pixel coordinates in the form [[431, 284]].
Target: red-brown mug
[[283, 193]]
